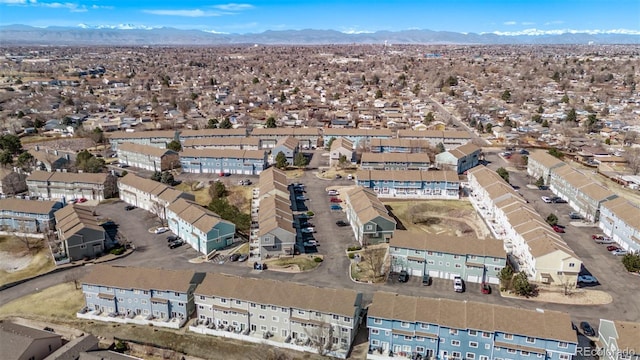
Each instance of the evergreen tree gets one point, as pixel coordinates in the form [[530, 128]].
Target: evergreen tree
[[271, 122], [281, 161], [300, 160], [174, 145], [225, 124]]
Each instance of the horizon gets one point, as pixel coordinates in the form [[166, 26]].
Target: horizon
[[499, 17]]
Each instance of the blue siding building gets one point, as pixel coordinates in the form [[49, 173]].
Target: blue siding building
[[30, 216], [415, 184], [215, 161], [406, 326]]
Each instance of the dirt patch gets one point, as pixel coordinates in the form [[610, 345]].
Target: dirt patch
[[12, 263], [202, 194], [575, 297], [17, 263], [295, 264], [63, 301], [369, 264]]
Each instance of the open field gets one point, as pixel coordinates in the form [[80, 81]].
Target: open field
[[441, 217], [296, 263], [240, 196], [202, 195], [64, 300], [16, 263]]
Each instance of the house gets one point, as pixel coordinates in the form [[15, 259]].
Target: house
[[289, 146], [399, 145], [459, 159], [620, 219], [79, 234], [27, 216], [411, 183], [217, 161], [278, 313], [212, 134], [204, 230], [105, 355], [232, 142], [12, 182], [136, 295], [369, 218], [440, 256], [619, 340], [394, 161], [66, 185], [452, 329], [147, 157], [341, 147], [541, 163], [19, 342], [75, 347], [273, 182], [149, 195]]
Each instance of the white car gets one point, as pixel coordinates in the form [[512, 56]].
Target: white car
[[619, 252], [308, 230], [546, 199], [161, 230], [333, 193], [458, 285]]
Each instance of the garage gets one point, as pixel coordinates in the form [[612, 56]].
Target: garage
[[434, 273], [473, 278], [416, 272], [493, 280]]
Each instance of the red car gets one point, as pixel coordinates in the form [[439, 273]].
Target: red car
[[486, 288], [81, 200], [612, 248], [558, 229], [335, 200]]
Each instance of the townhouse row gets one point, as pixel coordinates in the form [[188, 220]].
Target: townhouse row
[[618, 217], [415, 184], [65, 186], [369, 218], [532, 245], [28, 216], [324, 320]]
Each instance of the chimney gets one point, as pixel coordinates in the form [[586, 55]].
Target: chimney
[[55, 152], [37, 147]]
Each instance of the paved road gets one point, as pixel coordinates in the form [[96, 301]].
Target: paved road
[[152, 251]]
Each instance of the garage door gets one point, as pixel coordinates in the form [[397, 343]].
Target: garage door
[[494, 280], [434, 273], [473, 278], [416, 272]]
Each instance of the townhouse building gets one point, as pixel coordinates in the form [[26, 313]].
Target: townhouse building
[[406, 326], [580, 191], [368, 217], [289, 146], [212, 134], [24, 342], [341, 147], [78, 234], [532, 246], [147, 157], [541, 163], [12, 182], [308, 138], [66, 185], [149, 195], [273, 182], [440, 256], [416, 184], [136, 295], [395, 161], [27, 216], [449, 138], [202, 229], [216, 161], [359, 137], [277, 235], [620, 219], [50, 160], [618, 340], [459, 159], [283, 314], [396, 145], [232, 142], [157, 138]]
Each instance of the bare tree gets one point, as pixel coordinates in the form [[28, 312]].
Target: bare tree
[[375, 257], [322, 337], [22, 234], [157, 212]]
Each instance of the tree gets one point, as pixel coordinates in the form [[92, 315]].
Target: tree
[[174, 145], [271, 123], [572, 116], [565, 99], [167, 178], [506, 276], [506, 96], [504, 174], [25, 160], [6, 158], [429, 118], [507, 122], [555, 152], [540, 110], [540, 182], [156, 176], [10, 143], [283, 98], [322, 337], [452, 80], [231, 213], [328, 145], [281, 161], [521, 285], [342, 160], [489, 127], [157, 212], [631, 262], [537, 118], [97, 136], [225, 124], [375, 258], [440, 148], [378, 94], [212, 124], [545, 123], [218, 190], [552, 219], [86, 162], [591, 123], [300, 160]]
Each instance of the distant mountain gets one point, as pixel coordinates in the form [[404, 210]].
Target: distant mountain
[[126, 34]]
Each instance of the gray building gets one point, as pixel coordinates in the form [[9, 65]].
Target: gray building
[[289, 146], [79, 234], [28, 216], [369, 218], [147, 157], [460, 159], [19, 342]]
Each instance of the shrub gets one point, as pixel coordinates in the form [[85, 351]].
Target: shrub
[[117, 251], [317, 259], [631, 262], [351, 256], [354, 248], [310, 213]]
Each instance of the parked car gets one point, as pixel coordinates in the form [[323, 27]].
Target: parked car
[[243, 257], [310, 243], [604, 240], [171, 238], [338, 176], [619, 252], [81, 200], [335, 200], [333, 193], [342, 223], [161, 230], [176, 243], [336, 207], [587, 329], [587, 279], [349, 177], [597, 237], [558, 229], [458, 285], [612, 248], [558, 200], [259, 266], [546, 199], [543, 187], [575, 216], [403, 277], [301, 198], [234, 257], [485, 288], [308, 230], [524, 152], [129, 207]]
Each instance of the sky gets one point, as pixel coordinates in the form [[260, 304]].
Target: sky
[[350, 16]]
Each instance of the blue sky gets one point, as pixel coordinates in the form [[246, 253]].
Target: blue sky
[[492, 16]]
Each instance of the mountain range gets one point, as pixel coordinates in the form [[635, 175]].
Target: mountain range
[[125, 34]]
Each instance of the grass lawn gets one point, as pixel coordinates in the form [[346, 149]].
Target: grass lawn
[[202, 195], [240, 196], [301, 262], [435, 216], [294, 173], [14, 254], [62, 302], [363, 271]]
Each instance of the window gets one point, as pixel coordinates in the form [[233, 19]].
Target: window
[[439, 254], [456, 256], [176, 294], [419, 338], [484, 357], [375, 342], [473, 344], [456, 355], [224, 301], [508, 336], [261, 317], [470, 355], [404, 324], [375, 331], [473, 333], [201, 307], [201, 297], [453, 331], [377, 321], [563, 345], [336, 317], [486, 335], [284, 310], [564, 357], [455, 343], [407, 338], [458, 266], [238, 302], [263, 307], [275, 318], [253, 305], [419, 349], [511, 351], [572, 264], [300, 312], [347, 319], [531, 340], [424, 326], [524, 353], [274, 308], [430, 262]]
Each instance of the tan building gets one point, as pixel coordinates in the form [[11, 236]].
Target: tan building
[[147, 157]]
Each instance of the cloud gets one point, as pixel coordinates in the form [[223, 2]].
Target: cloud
[[13, 2], [215, 32], [510, 23], [554, 22], [73, 7], [538, 32], [98, 7], [527, 23], [354, 31], [185, 13], [234, 7]]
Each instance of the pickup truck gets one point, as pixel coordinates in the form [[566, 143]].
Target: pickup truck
[[602, 239]]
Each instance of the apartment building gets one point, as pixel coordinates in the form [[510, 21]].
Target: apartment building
[[141, 296], [221, 143], [359, 137], [308, 137], [187, 135], [395, 161], [289, 146], [541, 163], [413, 184], [406, 326], [276, 232], [202, 229], [620, 219], [25, 342], [66, 185], [147, 157], [369, 218], [396, 145], [149, 195], [156, 138], [283, 314], [618, 340], [459, 159], [449, 138], [79, 235], [27, 216], [216, 161], [440, 256], [341, 147]]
